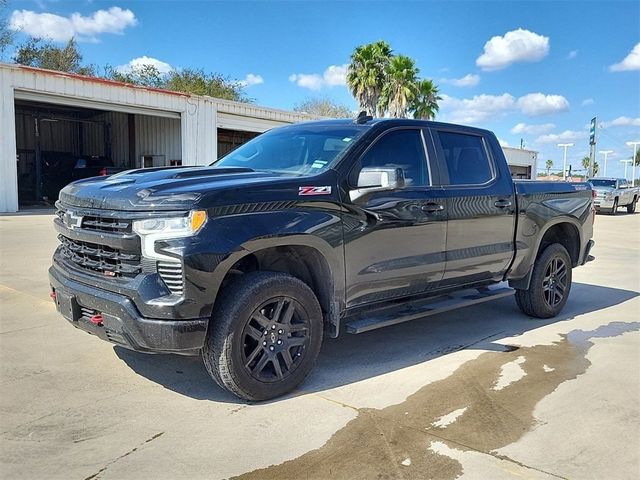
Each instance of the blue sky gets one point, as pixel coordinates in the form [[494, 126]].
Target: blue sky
[[533, 70]]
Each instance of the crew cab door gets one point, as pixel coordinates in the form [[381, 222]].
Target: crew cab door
[[626, 194], [394, 235], [480, 206]]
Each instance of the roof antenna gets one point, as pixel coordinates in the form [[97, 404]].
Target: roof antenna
[[363, 118]]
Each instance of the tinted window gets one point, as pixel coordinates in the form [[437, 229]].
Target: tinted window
[[466, 158], [400, 149], [598, 182], [296, 150]]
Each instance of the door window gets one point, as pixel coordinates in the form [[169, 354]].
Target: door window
[[466, 158], [400, 149]]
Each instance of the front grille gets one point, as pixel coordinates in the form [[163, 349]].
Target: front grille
[[100, 223], [110, 262], [172, 275]]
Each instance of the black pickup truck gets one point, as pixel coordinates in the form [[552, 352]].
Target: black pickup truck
[[306, 231]]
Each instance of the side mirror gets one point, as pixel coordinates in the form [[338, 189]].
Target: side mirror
[[375, 179]]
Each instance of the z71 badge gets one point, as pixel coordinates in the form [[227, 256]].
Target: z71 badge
[[315, 190]]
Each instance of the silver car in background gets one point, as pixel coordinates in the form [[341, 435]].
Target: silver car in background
[[612, 193]]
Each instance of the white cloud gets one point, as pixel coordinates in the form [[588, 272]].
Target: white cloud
[[59, 28], [587, 101], [515, 46], [476, 109], [630, 62], [251, 79], [532, 129], [566, 136], [469, 80], [334, 75], [622, 122], [162, 67], [535, 104], [503, 143], [572, 54], [483, 107]]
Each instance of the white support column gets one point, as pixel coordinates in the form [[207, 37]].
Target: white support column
[[199, 135], [8, 163]]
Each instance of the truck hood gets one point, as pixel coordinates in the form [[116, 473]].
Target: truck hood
[[603, 190], [166, 188]]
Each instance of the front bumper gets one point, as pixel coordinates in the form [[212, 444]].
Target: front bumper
[[121, 323], [599, 203]]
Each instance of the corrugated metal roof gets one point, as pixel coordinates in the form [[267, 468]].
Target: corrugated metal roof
[[227, 106]]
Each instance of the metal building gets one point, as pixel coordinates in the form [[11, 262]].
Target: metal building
[[53, 124], [522, 163]]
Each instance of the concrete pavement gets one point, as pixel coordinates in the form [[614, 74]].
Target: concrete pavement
[[483, 392]]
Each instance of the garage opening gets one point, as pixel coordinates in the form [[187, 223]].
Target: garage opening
[[520, 171], [229, 140], [57, 144]]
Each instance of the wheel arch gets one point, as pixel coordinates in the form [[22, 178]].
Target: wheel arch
[[306, 257], [562, 230]]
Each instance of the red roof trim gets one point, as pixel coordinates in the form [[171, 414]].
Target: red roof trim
[[102, 81]]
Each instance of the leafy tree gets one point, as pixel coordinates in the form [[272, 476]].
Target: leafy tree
[[198, 82], [323, 107], [145, 75], [6, 34], [549, 165], [188, 80], [637, 159], [366, 74], [400, 87], [40, 53], [425, 104]]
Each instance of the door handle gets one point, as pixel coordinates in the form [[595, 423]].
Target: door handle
[[432, 208], [503, 203]]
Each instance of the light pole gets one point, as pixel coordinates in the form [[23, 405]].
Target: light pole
[[564, 160], [605, 153], [633, 162], [626, 162]]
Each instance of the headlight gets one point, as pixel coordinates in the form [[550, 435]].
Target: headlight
[[153, 229]]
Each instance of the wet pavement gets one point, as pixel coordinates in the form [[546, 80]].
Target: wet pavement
[[483, 392]]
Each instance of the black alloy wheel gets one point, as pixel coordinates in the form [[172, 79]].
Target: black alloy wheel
[[554, 284], [275, 339]]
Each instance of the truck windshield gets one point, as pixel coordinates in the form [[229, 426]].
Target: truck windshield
[[295, 150], [601, 182]]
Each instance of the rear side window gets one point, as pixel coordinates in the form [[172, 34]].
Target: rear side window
[[400, 149], [466, 158]]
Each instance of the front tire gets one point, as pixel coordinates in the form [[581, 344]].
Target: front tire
[[264, 336], [614, 209], [550, 284]]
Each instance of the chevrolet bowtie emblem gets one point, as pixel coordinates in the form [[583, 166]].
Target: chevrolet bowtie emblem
[[71, 220]]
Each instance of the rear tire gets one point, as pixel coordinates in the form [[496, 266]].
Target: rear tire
[[264, 336], [550, 284], [631, 208], [614, 209]]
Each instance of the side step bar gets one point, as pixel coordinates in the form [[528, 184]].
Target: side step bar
[[425, 308]]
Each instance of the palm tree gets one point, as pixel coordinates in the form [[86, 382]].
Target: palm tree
[[366, 74], [425, 105], [399, 90], [549, 165], [586, 161]]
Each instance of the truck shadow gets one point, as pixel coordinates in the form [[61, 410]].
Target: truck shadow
[[352, 358]]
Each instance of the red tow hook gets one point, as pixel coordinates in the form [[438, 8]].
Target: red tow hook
[[53, 296], [96, 320]]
